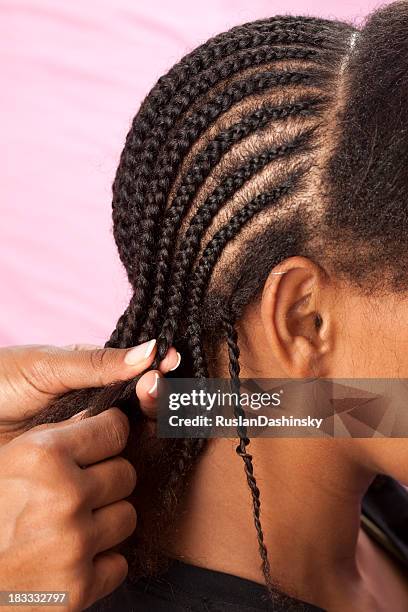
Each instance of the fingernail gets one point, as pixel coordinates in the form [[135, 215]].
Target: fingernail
[[139, 353], [153, 391], [178, 362]]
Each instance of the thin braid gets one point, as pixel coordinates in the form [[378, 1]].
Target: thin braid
[[213, 251], [202, 165], [150, 126], [286, 29], [312, 32], [199, 362], [234, 369], [203, 218], [195, 124], [148, 133], [188, 70], [124, 333]]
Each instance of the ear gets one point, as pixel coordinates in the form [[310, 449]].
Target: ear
[[296, 317]]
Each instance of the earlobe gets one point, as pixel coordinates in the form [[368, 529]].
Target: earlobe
[[293, 318]]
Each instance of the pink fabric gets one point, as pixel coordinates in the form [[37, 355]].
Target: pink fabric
[[73, 74]]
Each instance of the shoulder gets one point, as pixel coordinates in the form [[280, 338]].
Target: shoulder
[[187, 588]]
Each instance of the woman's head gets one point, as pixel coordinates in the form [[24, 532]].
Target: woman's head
[[277, 147], [220, 175], [280, 138]]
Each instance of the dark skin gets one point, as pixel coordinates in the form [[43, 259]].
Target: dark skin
[[66, 498], [311, 488]]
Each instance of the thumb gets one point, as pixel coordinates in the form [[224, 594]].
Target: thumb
[[77, 367], [51, 370]]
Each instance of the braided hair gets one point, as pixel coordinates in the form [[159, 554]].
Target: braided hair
[[244, 154]]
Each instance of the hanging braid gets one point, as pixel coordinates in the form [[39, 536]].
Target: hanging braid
[[234, 369], [252, 149]]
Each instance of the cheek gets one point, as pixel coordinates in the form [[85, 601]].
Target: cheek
[[369, 337], [384, 339], [372, 350]]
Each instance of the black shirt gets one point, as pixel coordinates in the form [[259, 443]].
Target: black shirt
[[186, 588]]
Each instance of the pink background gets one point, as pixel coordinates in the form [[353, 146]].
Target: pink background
[[73, 73]]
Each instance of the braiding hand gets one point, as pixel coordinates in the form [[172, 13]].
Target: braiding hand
[[32, 376], [63, 507]]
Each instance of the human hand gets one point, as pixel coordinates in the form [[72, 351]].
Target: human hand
[[63, 508], [32, 376]]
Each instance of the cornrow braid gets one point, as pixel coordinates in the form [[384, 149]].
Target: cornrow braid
[[205, 215], [125, 333], [313, 32], [130, 190], [201, 167], [279, 31], [147, 133], [151, 126], [192, 129], [211, 254]]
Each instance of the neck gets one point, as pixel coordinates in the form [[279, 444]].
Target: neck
[[310, 513]]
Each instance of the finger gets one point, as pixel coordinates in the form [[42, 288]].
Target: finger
[[23, 432], [74, 369], [146, 387], [113, 524], [170, 362], [109, 481], [52, 370], [82, 347], [93, 439], [110, 570], [146, 391]]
